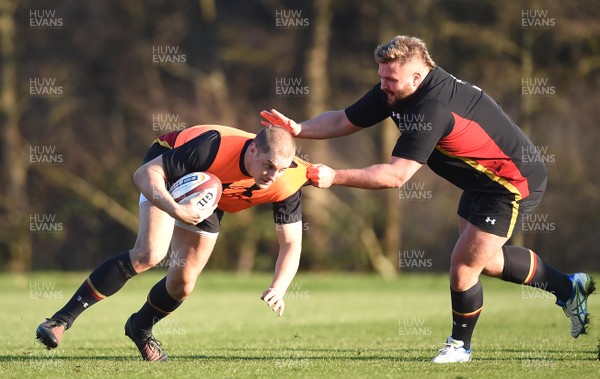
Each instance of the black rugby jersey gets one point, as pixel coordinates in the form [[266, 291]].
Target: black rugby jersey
[[461, 133]]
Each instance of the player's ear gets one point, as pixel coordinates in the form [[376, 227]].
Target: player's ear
[[416, 79], [252, 148]]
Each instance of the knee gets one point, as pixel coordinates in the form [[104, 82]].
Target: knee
[[144, 258], [179, 289], [463, 277]]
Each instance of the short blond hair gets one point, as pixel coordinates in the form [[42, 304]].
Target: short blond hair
[[403, 49]]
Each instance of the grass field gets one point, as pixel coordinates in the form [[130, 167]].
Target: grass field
[[342, 326]]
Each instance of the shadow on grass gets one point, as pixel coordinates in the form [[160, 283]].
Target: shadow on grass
[[527, 357], [402, 355], [39, 357]]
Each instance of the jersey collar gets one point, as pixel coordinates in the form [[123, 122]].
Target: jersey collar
[[242, 155]]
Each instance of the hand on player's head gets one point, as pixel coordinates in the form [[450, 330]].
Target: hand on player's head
[[275, 118]]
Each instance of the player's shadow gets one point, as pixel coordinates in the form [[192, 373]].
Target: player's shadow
[[41, 359], [300, 356], [526, 357]]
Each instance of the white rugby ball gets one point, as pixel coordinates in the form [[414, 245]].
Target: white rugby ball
[[190, 184]]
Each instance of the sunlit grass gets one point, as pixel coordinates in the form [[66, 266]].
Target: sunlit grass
[[334, 326]]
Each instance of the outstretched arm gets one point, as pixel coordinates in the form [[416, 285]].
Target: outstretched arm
[[326, 125], [290, 247], [385, 175]]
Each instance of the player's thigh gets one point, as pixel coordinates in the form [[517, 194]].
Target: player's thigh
[[154, 235], [190, 252], [475, 247], [474, 250], [485, 223], [462, 225]]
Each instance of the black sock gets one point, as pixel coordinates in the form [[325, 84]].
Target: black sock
[[104, 281], [523, 266], [466, 307], [158, 306]]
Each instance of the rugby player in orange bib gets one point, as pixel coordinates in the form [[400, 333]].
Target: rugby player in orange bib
[[254, 169], [464, 136]]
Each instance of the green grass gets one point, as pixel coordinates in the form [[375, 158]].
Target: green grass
[[343, 326]]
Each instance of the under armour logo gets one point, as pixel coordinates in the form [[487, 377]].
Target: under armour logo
[[461, 325], [491, 220], [85, 305]]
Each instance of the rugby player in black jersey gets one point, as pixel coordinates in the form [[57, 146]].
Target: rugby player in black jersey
[[464, 136]]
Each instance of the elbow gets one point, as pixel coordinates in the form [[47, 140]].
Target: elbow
[[393, 181], [291, 251], [138, 177], [398, 182], [379, 183], [293, 248], [400, 171]]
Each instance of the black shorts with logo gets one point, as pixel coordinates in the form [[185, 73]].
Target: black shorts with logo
[[497, 214]]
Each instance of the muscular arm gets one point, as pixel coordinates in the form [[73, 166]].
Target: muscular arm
[[327, 125], [410, 153], [366, 112], [386, 175], [150, 180], [290, 247]]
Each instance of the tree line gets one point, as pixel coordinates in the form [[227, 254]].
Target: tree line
[[86, 86]]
